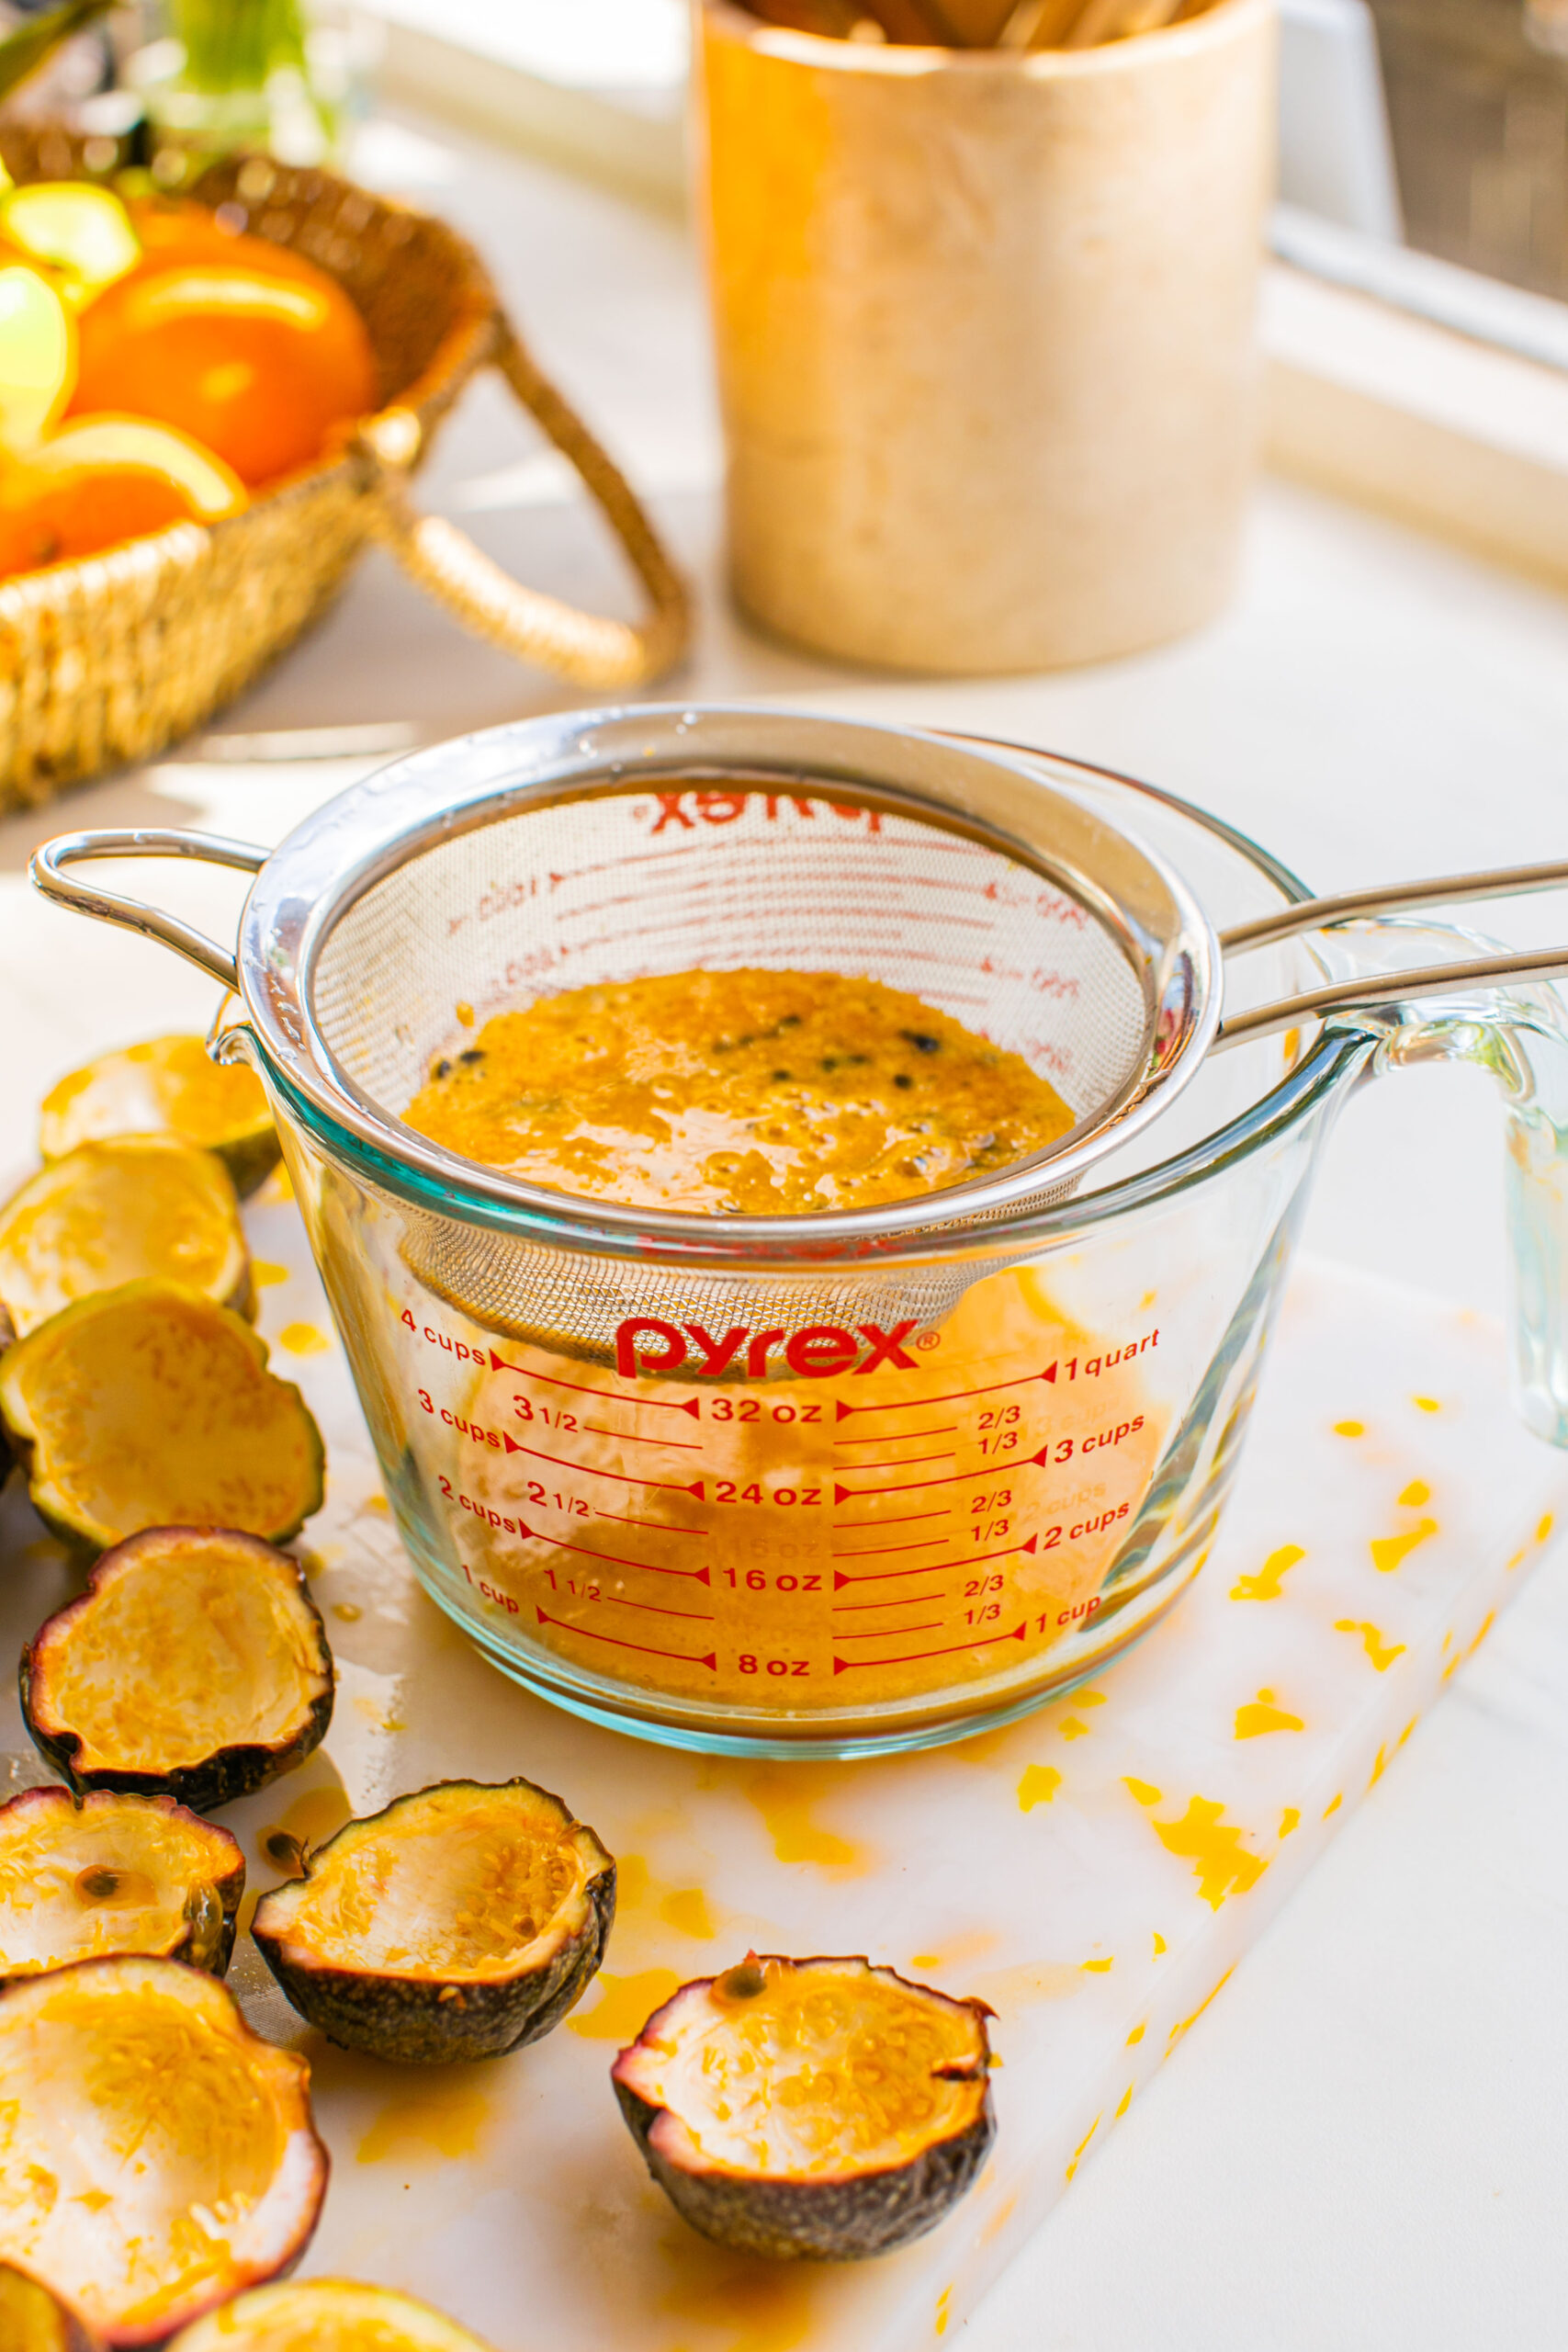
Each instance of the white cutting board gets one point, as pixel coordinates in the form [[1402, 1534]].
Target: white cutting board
[[1095, 1873]]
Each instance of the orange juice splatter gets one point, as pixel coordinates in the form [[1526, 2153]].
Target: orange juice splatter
[[1333, 1805], [1188, 2023], [999, 2219], [1481, 1631], [1097, 1967], [1136, 2035], [625, 2004], [1382, 1654], [443, 2115], [347, 1612], [1089, 1699], [1144, 1791], [1426, 1403], [759, 2306], [1389, 1552], [263, 1273], [1264, 1714], [1160, 1945], [312, 1818], [926, 1960], [376, 1502], [1289, 1819], [1073, 1729], [1038, 1786], [1379, 1765], [465, 1013], [1544, 1528], [687, 1909], [1221, 1863], [303, 1340], [961, 1952], [1265, 1585], [1078, 2152], [786, 1795], [1349, 1428], [942, 2301], [1126, 2103], [1417, 1493]]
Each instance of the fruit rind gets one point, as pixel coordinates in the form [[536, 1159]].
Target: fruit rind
[[146, 1088], [447, 2014], [231, 1770], [195, 1187], [203, 1935], [290, 2319], [843, 2217]]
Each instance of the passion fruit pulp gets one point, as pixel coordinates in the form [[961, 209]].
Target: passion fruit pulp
[[810, 2108], [113, 1874], [159, 2157], [194, 1666], [464, 1920], [327, 2316]]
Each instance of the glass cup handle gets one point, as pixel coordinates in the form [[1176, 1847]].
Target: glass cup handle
[[48, 875]]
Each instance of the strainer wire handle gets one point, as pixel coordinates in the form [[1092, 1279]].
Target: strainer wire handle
[[133, 914], [590, 650]]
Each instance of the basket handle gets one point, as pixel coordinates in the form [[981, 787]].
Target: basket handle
[[525, 622]]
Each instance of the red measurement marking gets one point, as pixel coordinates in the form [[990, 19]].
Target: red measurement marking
[[841, 1411], [621, 1520], [891, 1633], [897, 1437], [630, 1437], [958, 1477], [931, 1567], [586, 1633], [698, 1575], [893, 1600], [622, 1477], [692, 1405], [879, 1550], [695, 1616], [843, 1665]]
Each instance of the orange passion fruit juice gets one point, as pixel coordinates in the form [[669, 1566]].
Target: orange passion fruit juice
[[830, 1515]]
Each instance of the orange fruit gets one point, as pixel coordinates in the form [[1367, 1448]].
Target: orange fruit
[[174, 234], [102, 480], [260, 368]]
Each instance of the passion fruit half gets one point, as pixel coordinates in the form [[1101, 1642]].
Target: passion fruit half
[[149, 1407], [33, 2319], [464, 1920], [327, 2316], [816, 2109], [113, 1874], [194, 1666], [169, 1086], [158, 2157], [142, 1207]]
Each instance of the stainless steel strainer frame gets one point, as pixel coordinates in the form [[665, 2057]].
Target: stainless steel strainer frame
[[993, 793]]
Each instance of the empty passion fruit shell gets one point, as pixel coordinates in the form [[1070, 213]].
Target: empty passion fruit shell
[[462, 1921], [142, 1207], [194, 1666], [169, 1086], [822, 2109], [113, 1874], [33, 2318], [327, 2316], [159, 2157], [151, 1406]]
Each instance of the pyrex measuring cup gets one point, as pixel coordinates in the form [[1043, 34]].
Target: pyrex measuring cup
[[843, 1483]]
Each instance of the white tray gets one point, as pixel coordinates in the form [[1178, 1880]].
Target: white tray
[[1095, 1873]]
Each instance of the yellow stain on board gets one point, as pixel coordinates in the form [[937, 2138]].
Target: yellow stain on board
[[1265, 1585], [1426, 1403], [757, 2306], [1349, 1428], [1126, 2103], [925, 1959], [1333, 1805], [1382, 1654], [1144, 1791], [1417, 1493], [1221, 1863], [787, 1796], [442, 2116], [1265, 1715], [1389, 1552], [943, 2302], [303, 1340], [1160, 1945], [1187, 2024], [686, 1908], [962, 1952], [1136, 2035], [1073, 1729], [1038, 1786], [377, 1502], [1544, 1528], [1078, 2152], [347, 1612], [624, 2005], [1097, 1967], [263, 1273], [1481, 1631], [1007, 1990], [1289, 1819], [998, 2221], [1089, 1699]]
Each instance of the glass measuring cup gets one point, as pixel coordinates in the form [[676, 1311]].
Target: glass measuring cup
[[820, 1485]]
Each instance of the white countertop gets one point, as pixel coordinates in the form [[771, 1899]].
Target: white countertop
[[1366, 2142]]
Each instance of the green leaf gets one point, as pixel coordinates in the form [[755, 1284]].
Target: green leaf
[[24, 51]]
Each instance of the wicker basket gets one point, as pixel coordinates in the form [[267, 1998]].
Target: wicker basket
[[105, 660]]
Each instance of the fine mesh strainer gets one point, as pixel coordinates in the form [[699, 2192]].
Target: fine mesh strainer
[[566, 851]]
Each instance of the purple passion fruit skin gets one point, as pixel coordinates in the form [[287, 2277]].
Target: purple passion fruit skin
[[79, 1880], [33, 2319], [137, 2096], [124, 1687], [430, 1976], [900, 2183]]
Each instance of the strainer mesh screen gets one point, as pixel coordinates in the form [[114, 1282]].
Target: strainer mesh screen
[[709, 877]]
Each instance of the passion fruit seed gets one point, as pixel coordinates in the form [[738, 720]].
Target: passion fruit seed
[[287, 1851], [126, 1890], [744, 1982]]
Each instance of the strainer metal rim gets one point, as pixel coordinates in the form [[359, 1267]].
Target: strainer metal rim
[[317, 874]]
